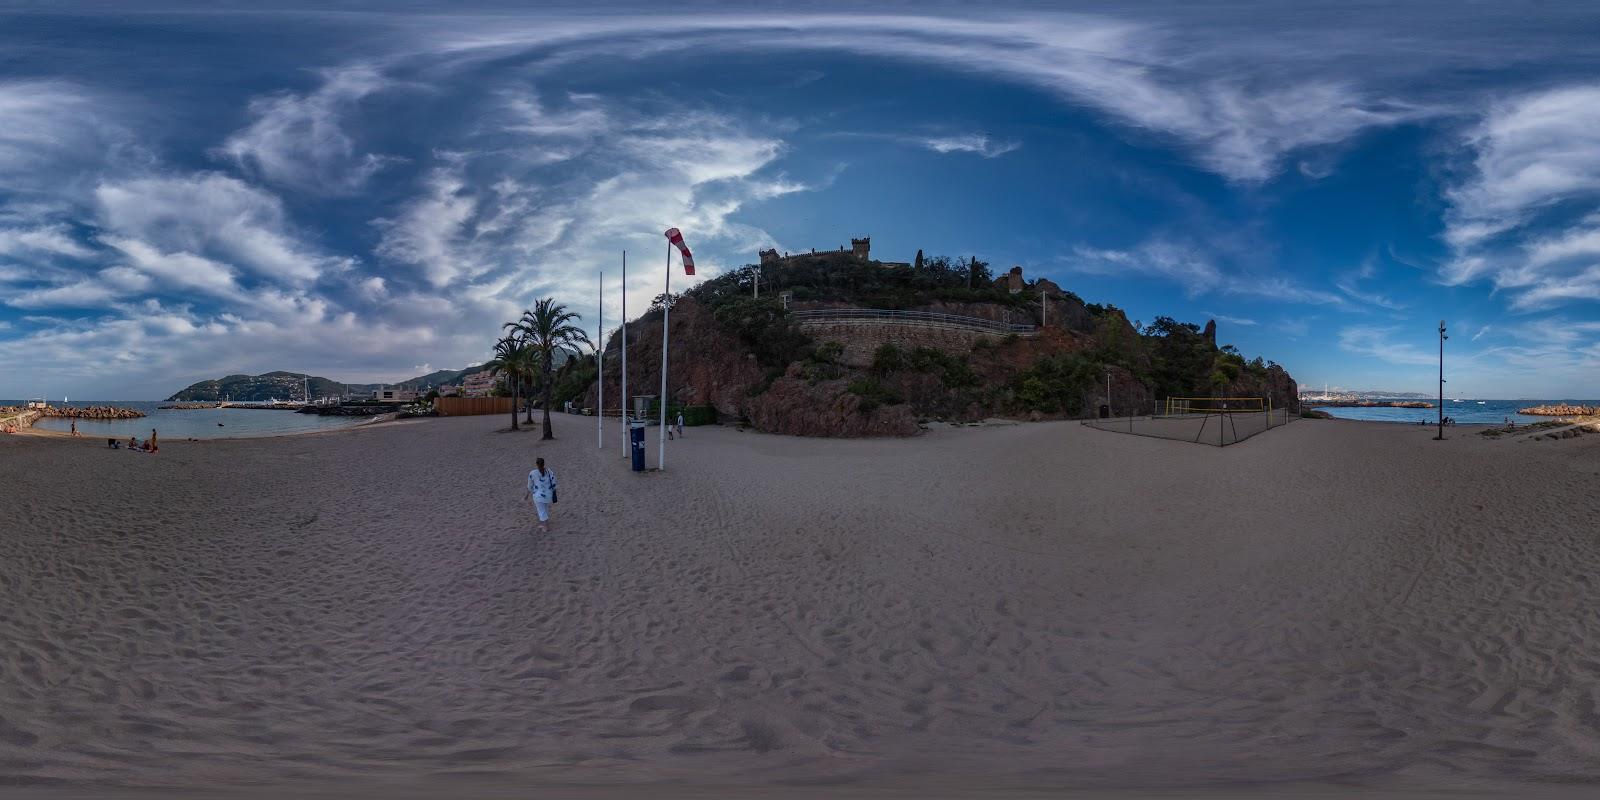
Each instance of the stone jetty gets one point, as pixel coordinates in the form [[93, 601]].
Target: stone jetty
[[1560, 410], [95, 412]]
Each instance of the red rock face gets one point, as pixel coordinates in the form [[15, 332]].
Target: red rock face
[[709, 365], [796, 407], [712, 366]]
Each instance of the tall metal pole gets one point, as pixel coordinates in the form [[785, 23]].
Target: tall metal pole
[[755, 286], [627, 439], [666, 315], [600, 367], [1442, 337]]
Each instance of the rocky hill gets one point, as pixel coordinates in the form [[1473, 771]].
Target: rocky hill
[[290, 386], [755, 361]]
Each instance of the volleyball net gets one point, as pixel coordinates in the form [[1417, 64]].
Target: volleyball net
[[1217, 421]]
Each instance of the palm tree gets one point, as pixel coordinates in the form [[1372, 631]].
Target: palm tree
[[510, 359], [548, 329]]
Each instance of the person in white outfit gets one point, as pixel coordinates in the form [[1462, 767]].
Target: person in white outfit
[[542, 490], [680, 424]]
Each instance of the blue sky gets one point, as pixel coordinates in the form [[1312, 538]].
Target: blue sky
[[367, 193]]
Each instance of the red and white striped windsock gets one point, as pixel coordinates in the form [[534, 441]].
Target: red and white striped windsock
[[676, 238]]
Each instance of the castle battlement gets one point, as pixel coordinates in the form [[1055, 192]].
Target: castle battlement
[[859, 248]]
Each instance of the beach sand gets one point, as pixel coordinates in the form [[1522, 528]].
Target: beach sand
[[1325, 607]]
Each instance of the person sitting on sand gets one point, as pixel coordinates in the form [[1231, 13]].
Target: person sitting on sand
[[542, 489], [133, 443]]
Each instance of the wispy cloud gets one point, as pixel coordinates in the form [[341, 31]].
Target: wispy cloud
[[1379, 343], [1536, 155], [977, 143], [1136, 74], [301, 140], [1232, 320], [1195, 268], [1350, 284]]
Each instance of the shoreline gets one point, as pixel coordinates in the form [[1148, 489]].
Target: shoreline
[[376, 419]]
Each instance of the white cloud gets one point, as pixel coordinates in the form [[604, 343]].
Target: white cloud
[[43, 239], [491, 225], [1239, 126], [215, 216], [977, 143], [301, 141], [1535, 157]]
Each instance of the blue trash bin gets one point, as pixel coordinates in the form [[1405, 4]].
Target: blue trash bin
[[636, 436]]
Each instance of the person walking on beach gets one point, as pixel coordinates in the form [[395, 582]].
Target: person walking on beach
[[75, 428], [542, 490], [153, 446]]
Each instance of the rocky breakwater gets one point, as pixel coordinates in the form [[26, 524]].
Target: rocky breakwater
[[351, 409], [92, 412], [15, 418], [1561, 410]]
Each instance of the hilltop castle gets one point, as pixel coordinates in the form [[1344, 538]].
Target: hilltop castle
[[859, 248]]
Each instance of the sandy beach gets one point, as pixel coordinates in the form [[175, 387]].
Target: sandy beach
[[1329, 606]]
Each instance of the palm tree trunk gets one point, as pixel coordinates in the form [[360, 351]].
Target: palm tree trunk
[[545, 393], [530, 408], [514, 383]]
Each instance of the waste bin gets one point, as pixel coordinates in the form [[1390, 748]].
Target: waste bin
[[1105, 411], [636, 436]]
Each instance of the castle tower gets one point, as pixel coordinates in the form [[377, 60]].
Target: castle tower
[[1014, 280], [769, 256], [861, 247]]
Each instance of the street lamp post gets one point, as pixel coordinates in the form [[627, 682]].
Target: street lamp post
[[1442, 337]]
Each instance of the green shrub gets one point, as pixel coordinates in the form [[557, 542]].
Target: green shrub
[[872, 394], [888, 358]]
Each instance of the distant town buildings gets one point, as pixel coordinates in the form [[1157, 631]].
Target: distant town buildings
[[478, 384], [449, 390]]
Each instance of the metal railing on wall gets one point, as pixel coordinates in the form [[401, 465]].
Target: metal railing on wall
[[926, 319]]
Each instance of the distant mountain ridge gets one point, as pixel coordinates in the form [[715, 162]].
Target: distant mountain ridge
[[282, 385]]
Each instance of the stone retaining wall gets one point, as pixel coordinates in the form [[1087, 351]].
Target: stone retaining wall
[[861, 339]]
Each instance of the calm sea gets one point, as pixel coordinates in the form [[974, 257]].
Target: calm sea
[[206, 423], [1465, 411]]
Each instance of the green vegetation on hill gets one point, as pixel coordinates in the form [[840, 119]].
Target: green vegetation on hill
[[1063, 371]]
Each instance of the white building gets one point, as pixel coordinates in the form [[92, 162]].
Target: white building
[[389, 395]]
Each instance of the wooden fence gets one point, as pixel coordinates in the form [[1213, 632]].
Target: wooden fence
[[471, 406]]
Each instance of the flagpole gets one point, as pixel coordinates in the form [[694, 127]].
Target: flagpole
[[627, 437], [666, 313], [600, 366]]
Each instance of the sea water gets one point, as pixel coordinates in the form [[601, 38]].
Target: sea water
[[202, 423], [1465, 411]]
